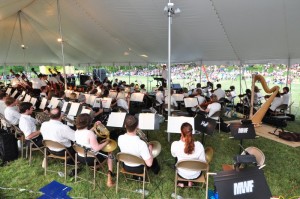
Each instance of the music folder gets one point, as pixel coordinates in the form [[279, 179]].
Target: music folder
[[204, 124], [242, 131], [137, 97], [245, 183], [190, 102]]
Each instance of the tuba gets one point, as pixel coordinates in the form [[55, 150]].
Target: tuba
[[156, 146], [102, 132]]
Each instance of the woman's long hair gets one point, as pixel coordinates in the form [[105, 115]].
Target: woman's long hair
[[186, 132]]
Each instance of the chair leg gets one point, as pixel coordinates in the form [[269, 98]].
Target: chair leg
[[94, 174], [144, 178], [65, 165], [46, 161], [175, 184], [30, 153], [117, 183], [76, 167], [26, 151]]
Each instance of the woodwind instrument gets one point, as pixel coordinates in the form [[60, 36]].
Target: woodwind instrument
[[156, 146], [258, 116], [102, 132]]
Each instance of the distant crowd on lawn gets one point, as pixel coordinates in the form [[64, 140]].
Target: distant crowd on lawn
[[213, 73]]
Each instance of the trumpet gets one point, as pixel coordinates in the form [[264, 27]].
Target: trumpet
[[102, 132], [156, 146]]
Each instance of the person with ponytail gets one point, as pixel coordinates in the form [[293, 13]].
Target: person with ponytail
[[187, 149]]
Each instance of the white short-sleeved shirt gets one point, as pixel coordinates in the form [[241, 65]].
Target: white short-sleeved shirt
[[135, 146], [82, 137], [286, 98], [159, 97], [173, 101], [232, 95], [276, 102], [12, 115], [2, 107], [214, 107], [219, 93], [122, 103], [57, 131], [177, 150], [27, 124]]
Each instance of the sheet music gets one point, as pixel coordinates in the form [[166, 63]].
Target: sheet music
[[8, 91], [43, 103], [85, 110], [116, 119], [178, 97], [91, 100], [146, 121], [53, 102], [190, 102], [175, 122], [64, 107], [97, 103], [74, 109], [33, 101], [14, 93], [23, 93], [137, 97], [27, 98], [106, 102]]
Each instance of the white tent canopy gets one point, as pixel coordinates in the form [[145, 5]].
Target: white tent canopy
[[136, 31]]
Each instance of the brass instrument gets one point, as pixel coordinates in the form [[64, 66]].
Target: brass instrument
[[209, 153], [258, 116], [102, 132], [69, 120], [42, 117], [156, 146]]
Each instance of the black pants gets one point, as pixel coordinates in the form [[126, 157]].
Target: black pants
[[38, 141], [90, 160], [62, 153], [140, 169]]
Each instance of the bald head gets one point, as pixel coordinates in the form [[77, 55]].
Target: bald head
[[55, 113]]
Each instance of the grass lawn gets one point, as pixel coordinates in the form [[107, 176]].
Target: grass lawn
[[281, 171]]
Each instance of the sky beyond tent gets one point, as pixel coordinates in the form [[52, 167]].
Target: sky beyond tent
[[136, 31]]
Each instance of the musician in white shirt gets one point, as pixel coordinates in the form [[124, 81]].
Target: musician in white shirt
[[11, 112], [28, 125], [159, 96], [164, 74], [87, 138], [2, 102], [15, 82], [219, 92]]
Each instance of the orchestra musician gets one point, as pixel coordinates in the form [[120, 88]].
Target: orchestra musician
[[15, 82], [173, 101], [2, 102], [164, 74], [219, 92], [28, 125], [11, 111], [187, 149], [280, 99], [212, 107], [200, 98], [159, 96], [131, 143], [230, 94], [56, 131], [87, 138]]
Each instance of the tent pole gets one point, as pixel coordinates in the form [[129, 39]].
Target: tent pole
[[200, 71], [288, 73], [129, 72], [61, 43]]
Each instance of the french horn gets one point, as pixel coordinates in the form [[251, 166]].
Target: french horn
[[156, 146], [209, 153], [102, 132]]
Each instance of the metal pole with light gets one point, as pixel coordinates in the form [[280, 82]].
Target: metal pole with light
[[171, 12]]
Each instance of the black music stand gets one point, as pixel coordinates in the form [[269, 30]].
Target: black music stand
[[240, 131], [245, 183], [205, 125]]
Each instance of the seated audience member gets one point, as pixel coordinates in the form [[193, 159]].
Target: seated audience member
[[87, 138], [132, 144], [187, 149], [55, 130], [11, 112], [28, 125]]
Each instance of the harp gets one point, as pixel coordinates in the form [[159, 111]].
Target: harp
[[258, 116]]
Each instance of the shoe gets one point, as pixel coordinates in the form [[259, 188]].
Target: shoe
[[110, 182], [137, 178]]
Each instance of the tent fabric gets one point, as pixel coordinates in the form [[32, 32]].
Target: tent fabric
[[136, 31]]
